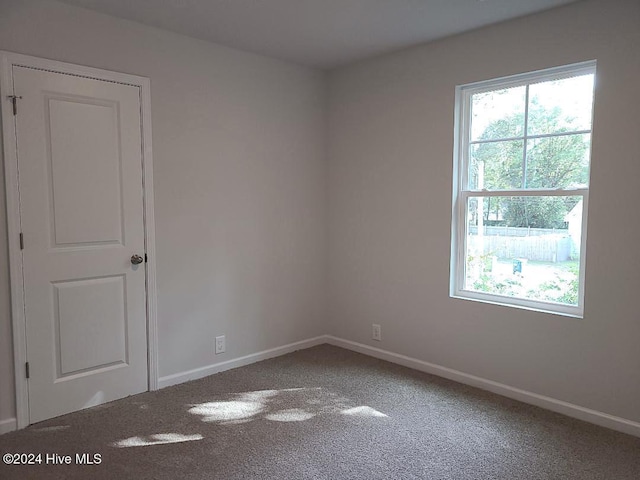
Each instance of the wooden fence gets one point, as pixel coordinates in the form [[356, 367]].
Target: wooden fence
[[554, 247]]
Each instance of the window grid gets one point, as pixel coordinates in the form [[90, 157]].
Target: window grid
[[463, 192]]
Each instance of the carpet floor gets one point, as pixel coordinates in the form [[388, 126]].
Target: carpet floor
[[322, 413]]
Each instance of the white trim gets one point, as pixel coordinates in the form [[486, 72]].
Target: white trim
[[559, 72], [557, 192], [28, 61], [149, 233], [7, 61], [8, 425], [531, 137], [13, 230], [524, 304], [571, 410], [462, 192], [201, 372]]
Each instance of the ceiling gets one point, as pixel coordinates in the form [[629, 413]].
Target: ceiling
[[319, 33]]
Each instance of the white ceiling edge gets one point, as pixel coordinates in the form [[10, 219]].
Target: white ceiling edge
[[322, 34]]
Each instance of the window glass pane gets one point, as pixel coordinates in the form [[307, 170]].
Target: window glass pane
[[558, 162], [524, 247], [560, 105], [498, 114], [496, 165]]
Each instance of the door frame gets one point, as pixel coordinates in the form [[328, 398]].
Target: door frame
[[18, 322]]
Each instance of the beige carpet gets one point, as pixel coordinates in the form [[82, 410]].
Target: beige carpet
[[323, 413]]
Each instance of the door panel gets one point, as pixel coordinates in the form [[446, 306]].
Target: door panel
[[85, 172], [90, 323], [80, 175]]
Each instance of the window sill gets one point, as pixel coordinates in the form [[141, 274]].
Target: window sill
[[533, 306]]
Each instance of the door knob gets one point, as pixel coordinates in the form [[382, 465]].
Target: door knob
[[136, 259]]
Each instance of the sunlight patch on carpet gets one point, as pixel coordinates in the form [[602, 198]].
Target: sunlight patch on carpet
[[285, 405], [156, 439], [363, 411], [224, 411], [289, 415]]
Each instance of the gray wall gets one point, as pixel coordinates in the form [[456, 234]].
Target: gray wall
[[240, 183], [390, 176]]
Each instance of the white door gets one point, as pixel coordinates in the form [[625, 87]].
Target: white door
[[81, 212]]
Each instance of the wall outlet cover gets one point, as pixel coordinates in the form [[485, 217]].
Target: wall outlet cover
[[221, 344], [377, 332]]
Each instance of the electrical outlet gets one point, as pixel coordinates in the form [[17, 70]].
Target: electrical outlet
[[377, 332], [221, 344]]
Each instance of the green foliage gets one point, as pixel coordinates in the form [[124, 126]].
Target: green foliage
[[552, 162], [538, 212], [561, 285], [490, 284], [567, 286]]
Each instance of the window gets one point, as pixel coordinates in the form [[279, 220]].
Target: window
[[521, 189]]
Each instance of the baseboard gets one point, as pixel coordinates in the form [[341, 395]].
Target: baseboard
[[586, 414], [8, 425], [201, 372], [559, 406], [576, 411]]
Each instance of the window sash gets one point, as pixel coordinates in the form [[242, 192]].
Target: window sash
[[539, 305], [526, 192], [529, 137]]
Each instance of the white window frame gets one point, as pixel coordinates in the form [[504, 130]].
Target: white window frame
[[462, 192]]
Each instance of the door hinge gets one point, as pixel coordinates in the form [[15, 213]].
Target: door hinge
[[14, 101], [26, 367], [21, 241]]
